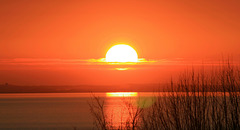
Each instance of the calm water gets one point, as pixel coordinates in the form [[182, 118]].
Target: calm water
[[54, 110]]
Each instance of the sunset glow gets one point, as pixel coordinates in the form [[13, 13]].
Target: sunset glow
[[119, 64]]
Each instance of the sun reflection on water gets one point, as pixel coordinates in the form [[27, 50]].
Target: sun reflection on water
[[117, 113], [121, 107], [121, 94]]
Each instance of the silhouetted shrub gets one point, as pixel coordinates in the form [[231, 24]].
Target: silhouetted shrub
[[197, 100]]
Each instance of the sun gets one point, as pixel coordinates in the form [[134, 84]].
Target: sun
[[121, 53]]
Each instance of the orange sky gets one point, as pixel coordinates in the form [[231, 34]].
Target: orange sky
[[86, 29]]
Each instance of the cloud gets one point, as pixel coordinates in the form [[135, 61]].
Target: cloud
[[100, 62], [31, 61], [103, 60]]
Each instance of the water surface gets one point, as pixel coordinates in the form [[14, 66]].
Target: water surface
[[53, 110]]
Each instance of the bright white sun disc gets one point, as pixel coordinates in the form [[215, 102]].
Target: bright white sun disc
[[121, 53]]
